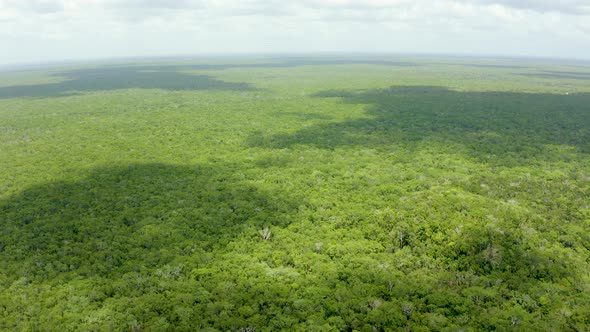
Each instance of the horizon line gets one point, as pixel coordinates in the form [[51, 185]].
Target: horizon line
[[31, 65]]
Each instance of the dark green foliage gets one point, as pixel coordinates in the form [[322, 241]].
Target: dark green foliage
[[552, 74], [169, 77], [319, 195], [105, 79], [493, 127]]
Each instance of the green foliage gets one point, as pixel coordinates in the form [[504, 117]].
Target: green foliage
[[296, 194]]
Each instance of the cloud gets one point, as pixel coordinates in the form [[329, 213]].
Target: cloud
[[153, 4], [34, 6], [109, 28], [262, 8], [355, 8], [578, 7], [575, 7], [356, 4]]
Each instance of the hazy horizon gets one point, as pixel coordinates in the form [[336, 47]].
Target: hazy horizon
[[44, 31], [240, 57]]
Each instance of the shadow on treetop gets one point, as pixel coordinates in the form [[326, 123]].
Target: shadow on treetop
[[504, 127], [105, 79], [118, 219], [166, 77]]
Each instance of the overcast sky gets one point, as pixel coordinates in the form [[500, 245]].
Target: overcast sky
[[48, 30]]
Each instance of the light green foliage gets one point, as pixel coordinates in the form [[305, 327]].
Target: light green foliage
[[296, 194]]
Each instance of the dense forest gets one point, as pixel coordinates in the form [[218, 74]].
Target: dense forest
[[302, 194]]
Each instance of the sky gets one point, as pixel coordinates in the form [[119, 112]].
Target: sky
[[38, 31]]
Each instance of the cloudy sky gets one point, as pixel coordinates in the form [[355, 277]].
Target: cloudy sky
[[49, 30]]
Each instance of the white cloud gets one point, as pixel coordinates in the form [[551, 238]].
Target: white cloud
[[34, 6], [577, 7], [154, 4], [36, 30]]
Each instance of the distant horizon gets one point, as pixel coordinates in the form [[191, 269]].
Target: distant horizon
[[31, 65]]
